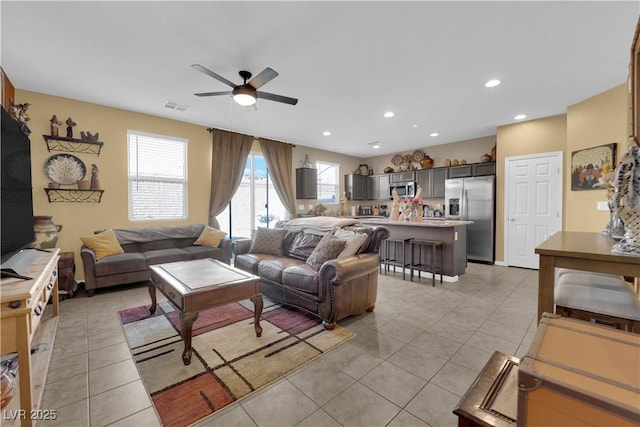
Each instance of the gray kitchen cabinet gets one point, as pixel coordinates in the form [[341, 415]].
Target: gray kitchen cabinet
[[432, 181], [378, 187], [482, 169], [402, 177], [355, 186], [306, 183], [461, 171]]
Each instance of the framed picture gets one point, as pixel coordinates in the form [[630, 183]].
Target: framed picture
[[589, 167]]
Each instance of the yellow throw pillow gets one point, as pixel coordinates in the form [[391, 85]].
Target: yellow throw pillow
[[210, 237], [103, 244]]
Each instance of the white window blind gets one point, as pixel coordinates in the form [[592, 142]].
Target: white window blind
[[157, 177]]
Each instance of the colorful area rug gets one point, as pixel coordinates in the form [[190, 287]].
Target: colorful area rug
[[228, 361]]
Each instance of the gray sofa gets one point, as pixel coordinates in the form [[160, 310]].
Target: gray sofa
[[338, 289], [144, 247]]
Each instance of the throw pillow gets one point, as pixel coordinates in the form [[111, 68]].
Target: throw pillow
[[103, 244], [354, 241], [267, 241], [303, 245], [210, 237], [328, 248]]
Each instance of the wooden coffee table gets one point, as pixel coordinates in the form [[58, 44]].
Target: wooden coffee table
[[196, 285]]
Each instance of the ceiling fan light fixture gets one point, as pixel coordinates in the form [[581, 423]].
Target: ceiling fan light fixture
[[244, 96]]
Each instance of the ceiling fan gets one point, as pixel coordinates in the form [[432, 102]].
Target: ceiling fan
[[246, 93]]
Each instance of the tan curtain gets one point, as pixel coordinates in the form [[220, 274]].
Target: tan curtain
[[279, 159], [228, 157]]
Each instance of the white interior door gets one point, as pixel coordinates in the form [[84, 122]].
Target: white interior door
[[533, 205]]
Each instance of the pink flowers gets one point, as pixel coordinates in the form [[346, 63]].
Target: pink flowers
[[415, 202], [411, 205]]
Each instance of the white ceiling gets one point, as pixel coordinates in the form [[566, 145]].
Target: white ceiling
[[347, 63]]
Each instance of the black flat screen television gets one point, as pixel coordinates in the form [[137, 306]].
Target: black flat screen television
[[16, 198]]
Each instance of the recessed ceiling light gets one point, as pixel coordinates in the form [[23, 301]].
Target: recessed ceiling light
[[375, 144], [326, 133], [520, 116], [492, 83], [389, 114], [435, 134], [415, 126]]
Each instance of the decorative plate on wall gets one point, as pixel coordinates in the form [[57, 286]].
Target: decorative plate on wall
[[397, 160], [64, 169], [418, 155]]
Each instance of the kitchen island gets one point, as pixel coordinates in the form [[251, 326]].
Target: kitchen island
[[452, 233]]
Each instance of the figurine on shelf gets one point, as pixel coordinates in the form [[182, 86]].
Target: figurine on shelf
[[395, 207], [55, 123], [87, 136], [95, 181], [70, 124]]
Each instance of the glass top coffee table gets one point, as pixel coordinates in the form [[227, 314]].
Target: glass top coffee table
[[196, 285]]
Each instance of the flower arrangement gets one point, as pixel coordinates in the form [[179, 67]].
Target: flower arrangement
[[411, 206]]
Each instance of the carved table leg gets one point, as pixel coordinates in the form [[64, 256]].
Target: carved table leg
[[257, 304], [152, 294], [186, 322]]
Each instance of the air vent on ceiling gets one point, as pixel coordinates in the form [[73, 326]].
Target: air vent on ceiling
[[176, 106]]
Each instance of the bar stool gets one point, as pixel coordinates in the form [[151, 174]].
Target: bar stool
[[396, 261], [435, 246]]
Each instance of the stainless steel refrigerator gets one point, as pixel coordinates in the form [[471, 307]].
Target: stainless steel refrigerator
[[473, 199]]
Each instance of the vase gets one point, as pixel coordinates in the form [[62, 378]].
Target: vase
[[46, 232], [306, 163], [426, 163]]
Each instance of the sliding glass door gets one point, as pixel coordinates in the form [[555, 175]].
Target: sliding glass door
[[255, 204]]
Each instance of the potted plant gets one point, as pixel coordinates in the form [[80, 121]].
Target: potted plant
[[320, 209]]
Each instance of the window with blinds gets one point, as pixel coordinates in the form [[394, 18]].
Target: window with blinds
[[157, 177]]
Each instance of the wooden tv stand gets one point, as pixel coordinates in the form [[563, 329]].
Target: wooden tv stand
[[26, 322]]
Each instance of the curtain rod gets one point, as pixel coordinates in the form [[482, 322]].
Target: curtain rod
[[210, 130]]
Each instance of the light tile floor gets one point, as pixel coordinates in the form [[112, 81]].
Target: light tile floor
[[409, 364]]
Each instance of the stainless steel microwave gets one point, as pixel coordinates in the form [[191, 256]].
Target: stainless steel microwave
[[404, 189]]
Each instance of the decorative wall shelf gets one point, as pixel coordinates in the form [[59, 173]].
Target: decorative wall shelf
[[72, 145], [73, 195]]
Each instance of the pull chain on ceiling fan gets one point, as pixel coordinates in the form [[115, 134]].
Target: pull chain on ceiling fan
[[246, 94]]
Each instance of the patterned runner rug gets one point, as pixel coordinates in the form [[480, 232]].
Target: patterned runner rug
[[228, 361]]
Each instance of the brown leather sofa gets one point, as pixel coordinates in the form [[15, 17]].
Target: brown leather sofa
[[147, 246], [338, 289]]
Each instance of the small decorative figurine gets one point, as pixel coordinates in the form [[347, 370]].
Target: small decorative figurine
[[87, 136], [19, 114], [395, 207], [343, 202], [418, 198], [70, 124], [55, 123], [95, 181]]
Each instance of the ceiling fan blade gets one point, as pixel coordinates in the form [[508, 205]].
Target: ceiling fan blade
[[213, 93], [212, 74], [277, 98], [264, 77]]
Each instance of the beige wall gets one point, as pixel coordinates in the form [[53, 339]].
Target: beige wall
[[531, 137], [347, 165], [79, 219], [601, 119], [470, 150]]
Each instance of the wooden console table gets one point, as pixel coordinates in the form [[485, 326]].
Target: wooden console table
[[578, 251], [24, 323]]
